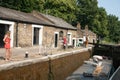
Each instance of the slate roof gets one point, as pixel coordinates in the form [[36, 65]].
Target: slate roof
[[13, 15], [17, 16], [59, 22]]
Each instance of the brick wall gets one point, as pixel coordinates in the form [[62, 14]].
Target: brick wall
[[57, 68]]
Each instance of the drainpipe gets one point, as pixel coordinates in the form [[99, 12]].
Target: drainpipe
[[67, 39], [17, 34]]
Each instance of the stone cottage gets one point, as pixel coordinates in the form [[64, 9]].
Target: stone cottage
[[82, 33], [35, 29], [91, 35]]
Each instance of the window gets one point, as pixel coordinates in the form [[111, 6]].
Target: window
[[37, 34], [60, 35], [69, 39]]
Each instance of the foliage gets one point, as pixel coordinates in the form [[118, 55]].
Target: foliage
[[87, 11], [100, 23], [22, 5], [61, 8], [94, 16], [114, 28]]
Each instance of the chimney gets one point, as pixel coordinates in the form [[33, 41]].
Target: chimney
[[86, 29], [79, 33], [78, 27]]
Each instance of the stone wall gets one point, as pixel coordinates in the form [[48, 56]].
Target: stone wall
[[52, 67], [24, 35], [49, 35], [91, 38]]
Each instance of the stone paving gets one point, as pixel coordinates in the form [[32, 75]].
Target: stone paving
[[18, 54]]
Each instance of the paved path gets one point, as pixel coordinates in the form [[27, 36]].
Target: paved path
[[19, 53]]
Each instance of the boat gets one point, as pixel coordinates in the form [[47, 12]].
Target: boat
[[96, 68]]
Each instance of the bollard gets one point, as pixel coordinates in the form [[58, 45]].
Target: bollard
[[26, 54]]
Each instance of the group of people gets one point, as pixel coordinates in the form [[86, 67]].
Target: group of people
[[65, 42], [6, 41]]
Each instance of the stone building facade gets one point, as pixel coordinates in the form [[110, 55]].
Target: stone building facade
[[28, 30], [36, 29], [52, 36], [83, 33], [92, 37], [22, 36]]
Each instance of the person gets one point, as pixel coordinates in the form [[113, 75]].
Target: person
[[86, 42], [64, 42], [7, 45]]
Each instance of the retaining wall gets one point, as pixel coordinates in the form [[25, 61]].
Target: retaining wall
[[52, 67]]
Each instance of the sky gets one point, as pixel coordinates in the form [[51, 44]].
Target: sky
[[111, 6]]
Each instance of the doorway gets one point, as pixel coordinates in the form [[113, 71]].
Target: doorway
[[74, 42], [56, 40], [3, 29]]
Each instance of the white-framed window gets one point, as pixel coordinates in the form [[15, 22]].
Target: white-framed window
[[37, 31], [69, 38]]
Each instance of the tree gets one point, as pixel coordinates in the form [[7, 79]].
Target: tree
[[100, 23], [87, 10], [22, 5], [114, 28], [39, 5], [61, 8]]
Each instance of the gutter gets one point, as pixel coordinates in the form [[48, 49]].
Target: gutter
[[48, 25]]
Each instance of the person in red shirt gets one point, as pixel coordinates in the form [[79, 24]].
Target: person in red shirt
[[64, 42], [7, 45]]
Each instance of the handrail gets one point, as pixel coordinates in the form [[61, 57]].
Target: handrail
[[114, 73]]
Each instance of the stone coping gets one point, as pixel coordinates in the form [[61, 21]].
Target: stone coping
[[13, 64]]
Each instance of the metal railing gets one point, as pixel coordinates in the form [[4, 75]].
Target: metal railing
[[116, 75]]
